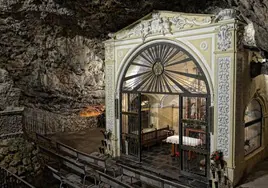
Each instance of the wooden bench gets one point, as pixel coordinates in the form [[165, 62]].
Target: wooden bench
[[113, 182], [71, 164], [150, 179], [156, 136], [92, 160]]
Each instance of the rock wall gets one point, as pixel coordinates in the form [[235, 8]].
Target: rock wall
[[9, 95], [255, 11], [53, 49], [55, 65], [20, 157], [11, 121]]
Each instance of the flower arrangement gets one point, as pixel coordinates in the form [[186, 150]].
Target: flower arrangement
[[217, 156]]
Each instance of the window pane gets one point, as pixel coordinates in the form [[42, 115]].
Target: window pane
[[252, 137], [253, 111]]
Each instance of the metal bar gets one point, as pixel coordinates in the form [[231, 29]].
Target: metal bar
[[142, 65], [15, 181], [130, 113], [181, 94], [177, 84], [180, 131], [139, 127], [179, 62], [208, 139], [196, 76], [195, 149], [170, 57], [120, 120], [141, 83], [145, 58], [136, 75], [253, 122]]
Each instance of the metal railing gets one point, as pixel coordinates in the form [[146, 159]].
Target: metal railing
[[10, 180]]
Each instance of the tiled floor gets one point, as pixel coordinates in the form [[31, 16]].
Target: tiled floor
[[160, 160]]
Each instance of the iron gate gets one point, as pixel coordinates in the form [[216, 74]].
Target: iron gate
[[131, 125], [194, 136], [165, 68]]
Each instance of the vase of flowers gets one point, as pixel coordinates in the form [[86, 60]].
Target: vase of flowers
[[217, 158]]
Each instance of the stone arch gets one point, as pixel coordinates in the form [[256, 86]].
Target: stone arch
[[195, 54]]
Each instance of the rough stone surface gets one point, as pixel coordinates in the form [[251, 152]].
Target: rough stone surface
[[52, 49], [9, 96], [256, 12], [20, 157], [11, 121]]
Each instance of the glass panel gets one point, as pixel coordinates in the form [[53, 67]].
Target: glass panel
[[194, 108], [194, 122], [252, 137], [253, 111]]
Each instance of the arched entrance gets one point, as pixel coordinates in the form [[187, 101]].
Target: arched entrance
[[167, 69]]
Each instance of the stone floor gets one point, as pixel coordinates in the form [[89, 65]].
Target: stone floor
[[258, 178], [87, 141], [158, 158]]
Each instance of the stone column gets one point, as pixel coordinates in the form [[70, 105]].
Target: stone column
[[110, 95]]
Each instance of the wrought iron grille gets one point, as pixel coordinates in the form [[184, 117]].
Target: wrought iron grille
[[164, 68], [130, 125], [10, 180]]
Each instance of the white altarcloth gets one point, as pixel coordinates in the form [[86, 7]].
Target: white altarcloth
[[189, 141]]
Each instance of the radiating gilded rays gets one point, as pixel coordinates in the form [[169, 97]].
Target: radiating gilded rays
[[164, 68]]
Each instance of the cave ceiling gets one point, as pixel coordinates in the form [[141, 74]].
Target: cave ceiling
[[53, 51]]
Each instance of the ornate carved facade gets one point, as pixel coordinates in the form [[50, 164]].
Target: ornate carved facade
[[214, 43]]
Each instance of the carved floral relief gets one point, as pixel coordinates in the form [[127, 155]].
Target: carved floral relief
[[224, 66], [162, 25]]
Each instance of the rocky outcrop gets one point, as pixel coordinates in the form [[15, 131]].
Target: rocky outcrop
[[20, 157], [9, 95], [56, 67], [255, 11], [11, 120], [53, 49]]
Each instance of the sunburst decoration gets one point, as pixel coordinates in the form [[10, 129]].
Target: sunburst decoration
[[160, 68]]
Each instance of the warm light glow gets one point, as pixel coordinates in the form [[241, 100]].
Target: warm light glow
[[92, 111]]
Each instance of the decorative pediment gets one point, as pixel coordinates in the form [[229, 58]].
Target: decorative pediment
[[162, 23]]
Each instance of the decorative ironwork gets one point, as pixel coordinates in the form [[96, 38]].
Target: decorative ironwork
[[164, 68], [131, 125], [8, 179]]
